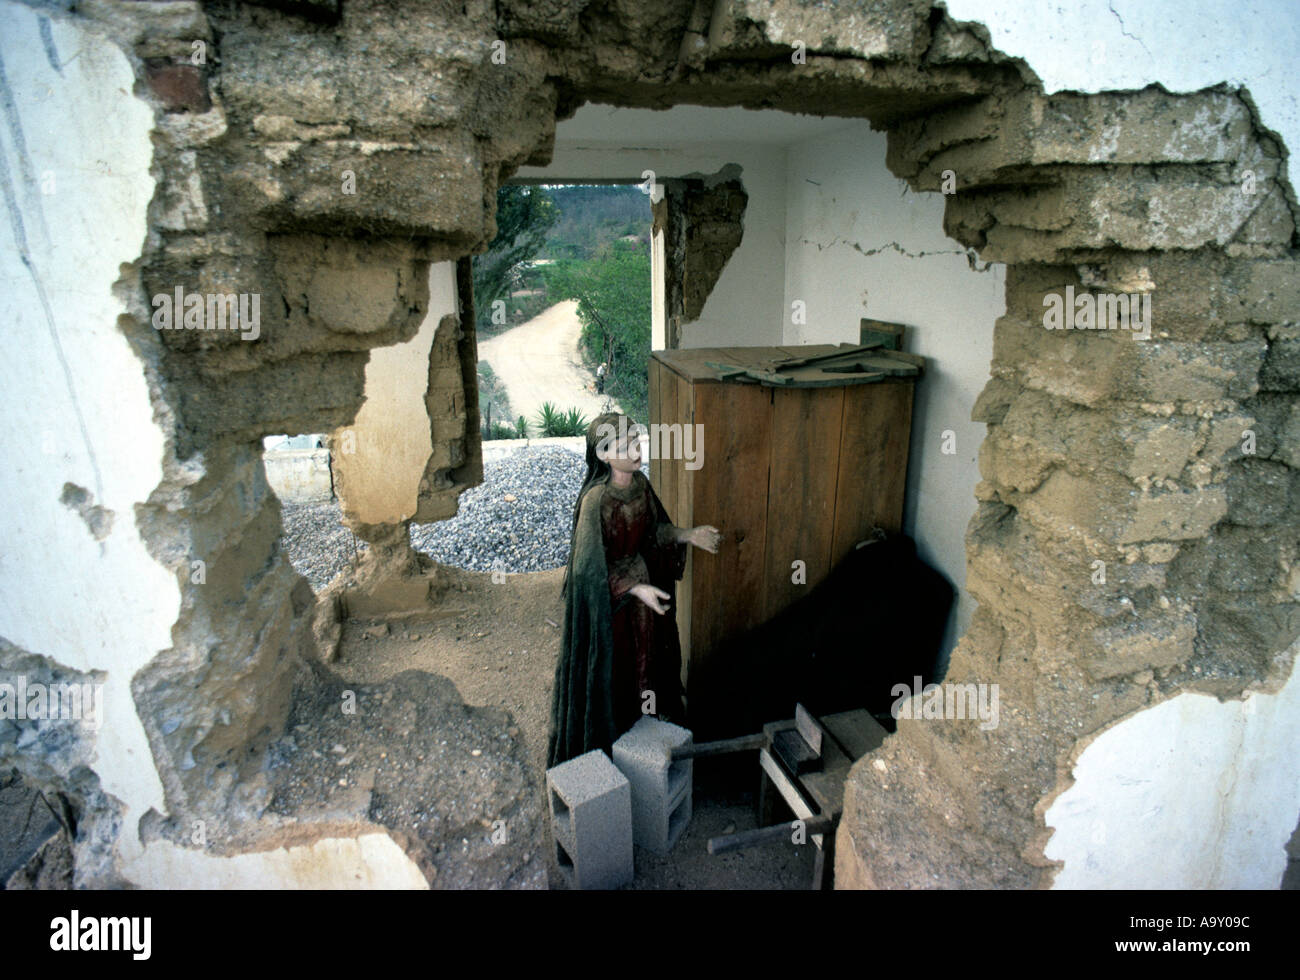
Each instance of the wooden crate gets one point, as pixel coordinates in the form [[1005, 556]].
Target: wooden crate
[[789, 474]]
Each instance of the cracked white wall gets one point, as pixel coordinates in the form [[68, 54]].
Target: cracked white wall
[[76, 407], [860, 243]]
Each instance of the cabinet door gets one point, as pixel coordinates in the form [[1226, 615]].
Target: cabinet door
[[873, 462], [806, 436], [730, 492]]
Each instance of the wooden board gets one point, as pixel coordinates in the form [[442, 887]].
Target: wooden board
[[857, 731], [871, 481], [804, 470], [689, 363], [731, 494], [823, 791], [881, 331]]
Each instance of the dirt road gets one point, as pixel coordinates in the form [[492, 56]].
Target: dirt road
[[538, 362]]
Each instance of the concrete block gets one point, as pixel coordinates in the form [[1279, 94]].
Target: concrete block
[[591, 820], [661, 789]]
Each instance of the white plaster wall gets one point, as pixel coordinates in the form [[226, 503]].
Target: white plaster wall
[[1192, 793], [1185, 45], [76, 408], [860, 243], [299, 475], [379, 482]]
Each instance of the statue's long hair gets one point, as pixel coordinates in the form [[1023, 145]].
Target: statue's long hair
[[598, 471]]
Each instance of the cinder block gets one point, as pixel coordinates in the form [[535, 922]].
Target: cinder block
[[591, 819], [661, 789]]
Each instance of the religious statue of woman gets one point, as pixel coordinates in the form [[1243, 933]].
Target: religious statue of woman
[[619, 650]]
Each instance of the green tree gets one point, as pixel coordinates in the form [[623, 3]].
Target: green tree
[[613, 294], [525, 215]]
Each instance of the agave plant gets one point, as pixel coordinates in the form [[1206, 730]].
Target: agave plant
[[574, 423], [521, 428], [548, 419]]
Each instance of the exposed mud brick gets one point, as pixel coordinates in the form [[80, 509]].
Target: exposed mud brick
[[310, 393], [1233, 558], [980, 142], [1092, 208], [1168, 371], [1150, 642], [1240, 636], [550, 20], [1282, 366], [180, 88], [1259, 493], [323, 10], [873, 29], [1039, 431], [1112, 510]]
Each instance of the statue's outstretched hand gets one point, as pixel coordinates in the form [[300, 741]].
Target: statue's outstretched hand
[[651, 597], [705, 536]]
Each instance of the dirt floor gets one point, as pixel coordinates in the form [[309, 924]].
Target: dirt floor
[[498, 643]]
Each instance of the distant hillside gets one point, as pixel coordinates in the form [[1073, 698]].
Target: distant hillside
[[592, 216]]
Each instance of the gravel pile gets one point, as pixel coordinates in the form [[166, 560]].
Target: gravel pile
[[317, 543], [529, 533]]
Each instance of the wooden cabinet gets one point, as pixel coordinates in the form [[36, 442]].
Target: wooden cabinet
[[786, 473]]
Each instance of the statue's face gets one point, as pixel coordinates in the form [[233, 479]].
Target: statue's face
[[622, 451]]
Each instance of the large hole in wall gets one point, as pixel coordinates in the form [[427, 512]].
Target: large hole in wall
[[1022, 213], [767, 244], [300, 472], [562, 300]]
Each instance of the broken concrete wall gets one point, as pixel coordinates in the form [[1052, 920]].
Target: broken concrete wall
[[1111, 465], [349, 147], [204, 683], [1112, 45]]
